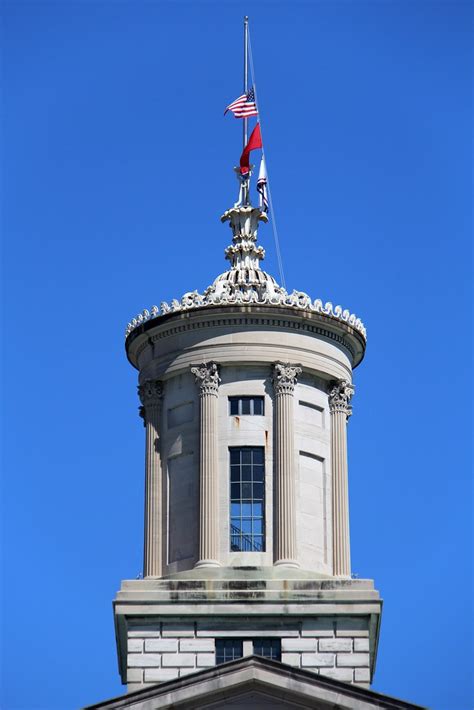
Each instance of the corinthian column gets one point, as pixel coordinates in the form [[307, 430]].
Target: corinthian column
[[150, 394], [207, 378], [284, 381], [339, 398]]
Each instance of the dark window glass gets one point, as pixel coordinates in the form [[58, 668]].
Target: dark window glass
[[268, 648], [258, 405], [247, 495], [245, 406], [257, 456], [235, 457], [228, 650], [234, 405]]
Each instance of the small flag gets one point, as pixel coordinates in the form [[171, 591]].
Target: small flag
[[255, 141], [262, 185], [244, 106]]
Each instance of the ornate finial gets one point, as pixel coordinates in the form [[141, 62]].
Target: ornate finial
[[340, 396], [207, 377], [150, 392], [285, 377], [244, 253]]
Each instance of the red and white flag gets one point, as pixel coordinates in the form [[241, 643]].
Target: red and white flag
[[244, 106], [255, 141], [262, 185]]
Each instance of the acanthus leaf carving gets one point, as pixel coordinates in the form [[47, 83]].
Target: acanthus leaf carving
[[285, 377], [340, 395], [150, 393], [207, 377]]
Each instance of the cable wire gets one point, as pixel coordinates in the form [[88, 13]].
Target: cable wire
[[270, 201]]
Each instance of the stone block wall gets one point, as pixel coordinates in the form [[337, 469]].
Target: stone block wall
[[334, 647]]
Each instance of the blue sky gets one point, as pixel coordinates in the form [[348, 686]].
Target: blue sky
[[117, 165]]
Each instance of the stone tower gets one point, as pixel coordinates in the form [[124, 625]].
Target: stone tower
[[245, 395]]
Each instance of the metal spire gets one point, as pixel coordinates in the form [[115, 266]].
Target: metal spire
[[246, 75]]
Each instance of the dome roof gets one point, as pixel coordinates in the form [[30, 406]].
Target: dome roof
[[245, 282]]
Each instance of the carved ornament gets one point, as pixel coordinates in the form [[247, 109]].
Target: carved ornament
[[150, 393], [207, 377], [340, 395], [285, 377]]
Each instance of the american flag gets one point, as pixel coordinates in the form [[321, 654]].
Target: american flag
[[244, 106]]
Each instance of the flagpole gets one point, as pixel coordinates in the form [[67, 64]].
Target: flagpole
[[270, 201], [246, 71]]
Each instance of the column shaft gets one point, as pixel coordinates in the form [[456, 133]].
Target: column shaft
[[285, 549], [207, 378], [340, 411], [150, 395]]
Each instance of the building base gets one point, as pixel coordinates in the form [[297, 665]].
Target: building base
[[167, 628]]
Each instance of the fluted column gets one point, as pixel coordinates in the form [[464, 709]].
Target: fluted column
[[207, 378], [150, 394], [284, 381], [339, 398]]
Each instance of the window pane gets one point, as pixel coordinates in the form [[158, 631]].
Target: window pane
[[228, 650], [233, 406], [235, 456], [269, 648], [257, 528], [246, 526], [258, 456], [245, 405], [247, 522], [246, 456], [246, 491], [246, 473], [258, 405]]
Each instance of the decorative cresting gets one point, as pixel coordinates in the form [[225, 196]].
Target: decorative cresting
[[340, 395], [207, 378], [245, 282], [284, 381], [151, 394]]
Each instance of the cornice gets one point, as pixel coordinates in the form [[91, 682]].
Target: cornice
[[247, 316]]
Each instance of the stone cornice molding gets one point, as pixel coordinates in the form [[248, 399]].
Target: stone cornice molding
[[207, 378], [285, 377], [150, 393], [267, 295], [339, 397]]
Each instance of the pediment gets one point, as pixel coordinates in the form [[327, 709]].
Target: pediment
[[250, 683]]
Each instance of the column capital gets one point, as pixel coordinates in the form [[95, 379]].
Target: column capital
[[285, 377], [150, 393], [207, 377], [340, 394]]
